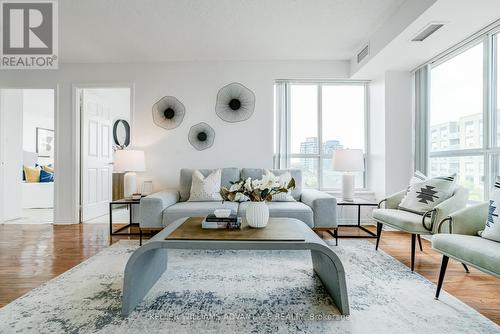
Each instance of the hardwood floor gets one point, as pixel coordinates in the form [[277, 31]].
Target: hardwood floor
[[33, 254]]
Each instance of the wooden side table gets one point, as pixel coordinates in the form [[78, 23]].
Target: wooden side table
[[130, 205], [359, 202]]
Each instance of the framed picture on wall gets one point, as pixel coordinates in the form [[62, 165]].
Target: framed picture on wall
[[45, 142]]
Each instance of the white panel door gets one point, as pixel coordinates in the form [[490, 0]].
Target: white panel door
[[96, 156]]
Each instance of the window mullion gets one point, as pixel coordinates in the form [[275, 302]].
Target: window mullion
[[320, 136]]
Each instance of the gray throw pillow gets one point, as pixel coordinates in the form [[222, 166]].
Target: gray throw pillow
[[424, 196], [492, 228]]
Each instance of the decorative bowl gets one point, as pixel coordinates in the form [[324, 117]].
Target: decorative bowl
[[222, 213]]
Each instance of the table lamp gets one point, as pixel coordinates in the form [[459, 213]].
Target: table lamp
[[130, 162], [348, 161]]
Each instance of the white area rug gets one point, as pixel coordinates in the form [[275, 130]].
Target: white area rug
[[242, 292]]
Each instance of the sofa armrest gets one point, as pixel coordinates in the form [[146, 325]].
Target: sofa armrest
[[457, 202], [467, 221], [152, 206], [324, 207], [392, 201]]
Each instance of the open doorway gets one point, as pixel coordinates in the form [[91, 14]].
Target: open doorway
[[27, 150], [100, 109]]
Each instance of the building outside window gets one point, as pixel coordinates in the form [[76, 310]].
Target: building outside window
[[321, 117], [463, 135]]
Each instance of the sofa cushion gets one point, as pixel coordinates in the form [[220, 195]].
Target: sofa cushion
[[205, 189], [477, 251], [402, 220], [257, 173], [228, 175], [296, 210], [194, 209]]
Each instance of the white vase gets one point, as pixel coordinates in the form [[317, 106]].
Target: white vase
[[257, 214]]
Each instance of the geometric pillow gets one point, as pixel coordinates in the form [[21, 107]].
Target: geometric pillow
[[492, 227], [46, 176], [425, 195], [205, 188]]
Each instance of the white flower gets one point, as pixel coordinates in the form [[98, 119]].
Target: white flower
[[235, 187], [269, 181], [248, 184], [239, 197], [256, 184]]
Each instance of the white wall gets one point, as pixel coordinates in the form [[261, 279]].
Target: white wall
[[11, 107], [398, 130], [38, 112], [377, 138], [390, 133], [248, 143]]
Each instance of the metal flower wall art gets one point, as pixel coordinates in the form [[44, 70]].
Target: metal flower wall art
[[235, 103], [168, 112], [201, 136]]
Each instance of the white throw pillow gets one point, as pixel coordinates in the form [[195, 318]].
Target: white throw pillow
[[424, 196], [283, 180], [418, 177], [205, 189], [492, 228]]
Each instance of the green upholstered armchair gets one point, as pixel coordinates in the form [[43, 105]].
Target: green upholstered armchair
[[463, 243], [413, 223]]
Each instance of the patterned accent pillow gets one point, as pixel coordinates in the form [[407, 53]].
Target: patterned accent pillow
[[492, 228], [204, 189], [424, 196], [46, 176], [283, 180], [418, 177]]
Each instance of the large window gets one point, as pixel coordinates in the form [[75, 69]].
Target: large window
[[323, 117], [463, 135]]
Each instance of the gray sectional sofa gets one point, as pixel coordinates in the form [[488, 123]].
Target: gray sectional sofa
[[315, 208]]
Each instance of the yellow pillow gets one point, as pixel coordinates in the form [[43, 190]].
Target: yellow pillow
[[32, 174], [48, 169]]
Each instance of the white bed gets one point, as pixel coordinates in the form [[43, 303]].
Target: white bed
[[36, 195]]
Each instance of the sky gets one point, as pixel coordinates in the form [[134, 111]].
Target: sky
[[343, 114], [457, 87]]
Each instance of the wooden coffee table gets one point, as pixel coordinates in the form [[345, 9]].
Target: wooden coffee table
[[149, 261]]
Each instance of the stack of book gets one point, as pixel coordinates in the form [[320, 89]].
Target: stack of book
[[213, 222]]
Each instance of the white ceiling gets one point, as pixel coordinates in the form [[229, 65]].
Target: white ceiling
[[185, 30], [461, 19]]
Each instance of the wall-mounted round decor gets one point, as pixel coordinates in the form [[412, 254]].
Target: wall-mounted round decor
[[121, 133], [168, 113], [235, 103], [201, 136]]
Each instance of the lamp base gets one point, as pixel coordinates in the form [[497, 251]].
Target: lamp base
[[348, 187], [129, 184]]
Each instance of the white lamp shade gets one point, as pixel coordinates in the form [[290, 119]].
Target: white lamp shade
[[129, 161], [348, 160]]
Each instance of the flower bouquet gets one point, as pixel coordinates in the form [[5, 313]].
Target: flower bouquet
[[257, 192]]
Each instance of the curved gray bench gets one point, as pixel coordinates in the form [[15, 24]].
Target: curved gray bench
[[149, 261]]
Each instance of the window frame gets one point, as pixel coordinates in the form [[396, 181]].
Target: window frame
[[490, 148], [321, 156]]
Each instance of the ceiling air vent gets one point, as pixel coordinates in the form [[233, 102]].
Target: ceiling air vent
[[363, 53], [429, 30]]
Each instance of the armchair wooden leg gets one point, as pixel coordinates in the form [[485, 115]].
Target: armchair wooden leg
[[379, 233], [466, 268], [413, 242], [444, 264], [419, 242]]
